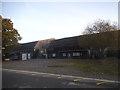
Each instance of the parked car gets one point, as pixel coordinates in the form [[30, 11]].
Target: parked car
[[14, 57]]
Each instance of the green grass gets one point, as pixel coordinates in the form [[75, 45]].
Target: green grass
[[107, 66]]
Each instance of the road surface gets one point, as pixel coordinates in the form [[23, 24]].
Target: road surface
[[28, 79]]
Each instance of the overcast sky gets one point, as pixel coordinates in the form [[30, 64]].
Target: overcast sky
[[42, 20]]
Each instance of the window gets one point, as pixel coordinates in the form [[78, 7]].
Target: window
[[54, 55], [76, 54], [64, 54]]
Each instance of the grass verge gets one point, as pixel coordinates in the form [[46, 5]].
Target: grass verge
[[108, 66]]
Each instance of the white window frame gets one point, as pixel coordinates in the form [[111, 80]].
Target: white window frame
[[76, 53], [64, 54], [54, 55]]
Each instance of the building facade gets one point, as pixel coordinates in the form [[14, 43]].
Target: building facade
[[76, 47], [66, 48]]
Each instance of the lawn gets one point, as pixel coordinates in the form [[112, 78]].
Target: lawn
[[108, 66]]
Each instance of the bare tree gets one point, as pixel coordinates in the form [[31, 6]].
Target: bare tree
[[100, 26]]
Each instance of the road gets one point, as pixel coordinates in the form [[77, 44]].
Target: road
[[28, 79]]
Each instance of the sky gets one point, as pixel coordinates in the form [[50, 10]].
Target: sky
[[43, 20]]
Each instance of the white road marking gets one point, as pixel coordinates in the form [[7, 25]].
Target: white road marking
[[72, 83], [46, 75], [76, 80], [60, 75], [33, 74]]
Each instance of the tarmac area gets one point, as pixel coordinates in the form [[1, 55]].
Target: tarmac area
[[56, 66], [27, 79]]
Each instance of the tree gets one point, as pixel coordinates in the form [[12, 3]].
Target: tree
[[100, 26], [10, 37], [100, 35]]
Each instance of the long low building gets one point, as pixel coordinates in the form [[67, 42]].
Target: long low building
[[50, 48], [23, 51], [66, 48], [83, 47]]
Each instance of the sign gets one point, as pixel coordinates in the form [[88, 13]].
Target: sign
[[28, 55], [24, 56]]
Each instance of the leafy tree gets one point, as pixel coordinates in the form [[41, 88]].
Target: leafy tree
[[99, 40], [10, 37]]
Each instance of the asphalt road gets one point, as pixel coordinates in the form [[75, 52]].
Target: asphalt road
[[22, 79]]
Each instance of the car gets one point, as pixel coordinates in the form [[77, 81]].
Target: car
[[15, 57]]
